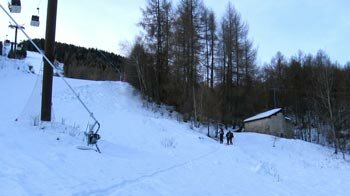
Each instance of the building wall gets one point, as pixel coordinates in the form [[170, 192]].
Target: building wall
[[275, 125], [259, 126]]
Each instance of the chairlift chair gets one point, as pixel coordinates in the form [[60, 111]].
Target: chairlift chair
[[19, 46], [7, 43], [15, 6], [35, 21]]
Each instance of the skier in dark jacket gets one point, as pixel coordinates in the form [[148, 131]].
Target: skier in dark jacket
[[221, 135], [229, 137]]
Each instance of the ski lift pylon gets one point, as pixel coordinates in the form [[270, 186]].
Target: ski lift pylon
[[15, 6]]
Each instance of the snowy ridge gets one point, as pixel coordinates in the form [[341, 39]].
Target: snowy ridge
[[145, 153]]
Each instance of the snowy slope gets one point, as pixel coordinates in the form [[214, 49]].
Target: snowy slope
[[143, 152]]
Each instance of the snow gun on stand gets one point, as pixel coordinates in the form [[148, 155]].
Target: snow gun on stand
[[92, 136]]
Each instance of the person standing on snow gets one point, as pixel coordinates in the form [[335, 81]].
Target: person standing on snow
[[221, 135], [229, 136]]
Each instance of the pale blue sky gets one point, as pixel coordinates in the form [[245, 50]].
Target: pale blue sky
[[275, 25]]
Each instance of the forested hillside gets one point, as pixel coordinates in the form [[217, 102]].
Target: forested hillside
[[83, 63], [206, 67]]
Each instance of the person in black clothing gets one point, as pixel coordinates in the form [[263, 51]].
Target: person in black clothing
[[221, 135], [229, 137]]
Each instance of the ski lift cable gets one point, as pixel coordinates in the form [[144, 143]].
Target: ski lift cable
[[59, 74], [114, 66], [38, 7], [39, 4]]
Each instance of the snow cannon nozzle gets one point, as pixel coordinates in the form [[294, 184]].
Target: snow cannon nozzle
[[92, 138]]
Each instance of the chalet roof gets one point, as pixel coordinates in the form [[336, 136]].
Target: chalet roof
[[263, 115]]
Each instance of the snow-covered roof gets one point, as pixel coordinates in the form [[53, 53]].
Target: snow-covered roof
[[263, 115]]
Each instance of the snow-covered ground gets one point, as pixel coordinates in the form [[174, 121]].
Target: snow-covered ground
[[143, 153]]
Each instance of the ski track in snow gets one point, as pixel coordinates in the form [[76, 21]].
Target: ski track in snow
[[109, 190]]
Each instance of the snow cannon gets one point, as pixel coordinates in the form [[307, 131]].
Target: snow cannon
[[92, 136]]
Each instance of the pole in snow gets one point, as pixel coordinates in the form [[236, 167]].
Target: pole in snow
[[46, 100], [16, 27]]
